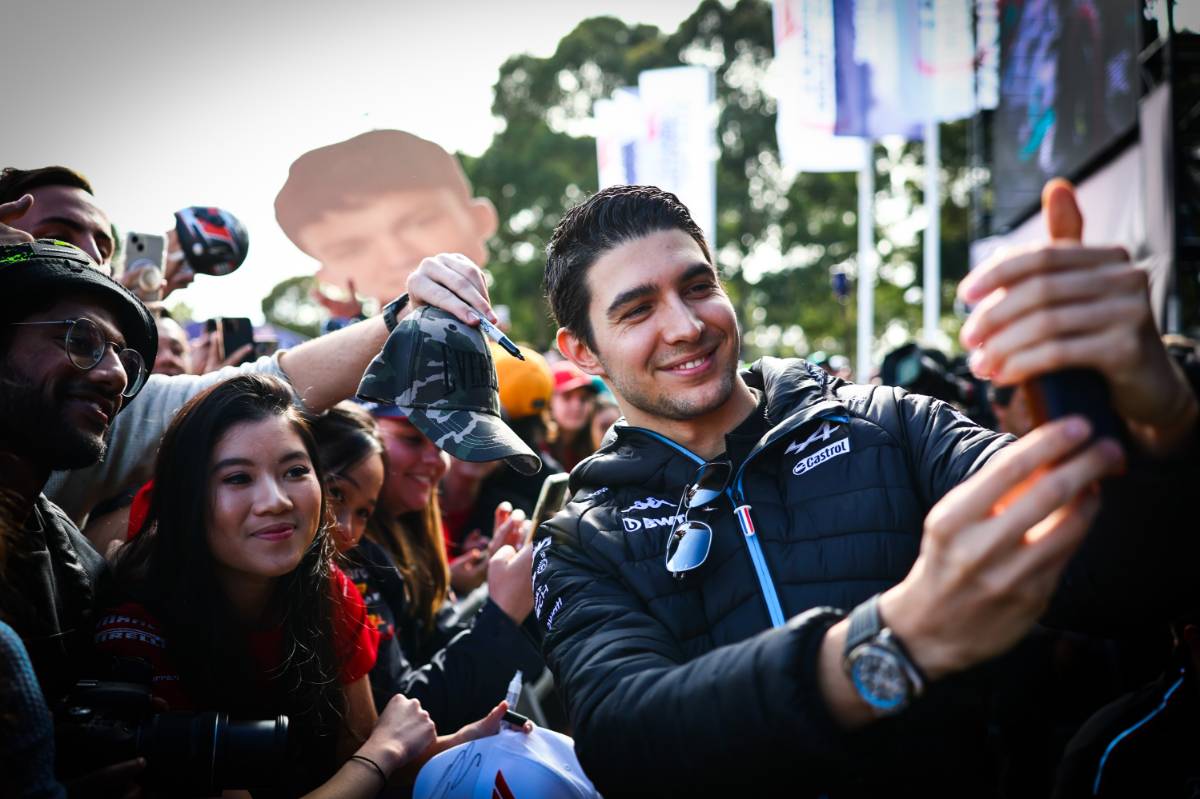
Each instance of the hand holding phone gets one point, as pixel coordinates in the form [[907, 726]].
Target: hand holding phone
[[551, 498], [143, 275]]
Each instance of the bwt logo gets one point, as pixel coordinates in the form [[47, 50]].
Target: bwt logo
[[633, 525]]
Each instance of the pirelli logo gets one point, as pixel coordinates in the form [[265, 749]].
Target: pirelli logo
[[821, 456]]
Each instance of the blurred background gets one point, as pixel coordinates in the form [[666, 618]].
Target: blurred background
[[824, 146]]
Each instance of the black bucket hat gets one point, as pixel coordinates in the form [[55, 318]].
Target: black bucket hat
[[31, 272]]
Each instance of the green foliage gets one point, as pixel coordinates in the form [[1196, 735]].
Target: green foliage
[[290, 305], [182, 313], [778, 244]]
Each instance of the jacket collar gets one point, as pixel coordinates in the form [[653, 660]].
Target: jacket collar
[[795, 390]]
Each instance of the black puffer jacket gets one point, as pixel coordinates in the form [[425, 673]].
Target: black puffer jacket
[[678, 686]]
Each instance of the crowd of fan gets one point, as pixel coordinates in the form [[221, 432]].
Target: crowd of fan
[[391, 628]]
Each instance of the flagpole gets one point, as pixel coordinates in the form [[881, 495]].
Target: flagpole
[[866, 263], [932, 293]]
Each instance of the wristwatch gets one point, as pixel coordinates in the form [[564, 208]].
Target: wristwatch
[[392, 308], [878, 665]]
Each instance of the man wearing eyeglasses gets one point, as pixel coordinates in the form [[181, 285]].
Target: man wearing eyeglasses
[[58, 202], [74, 345], [775, 575]]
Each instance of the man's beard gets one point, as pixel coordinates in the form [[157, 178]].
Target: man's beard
[[675, 408], [33, 425]]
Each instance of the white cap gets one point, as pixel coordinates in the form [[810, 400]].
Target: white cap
[[511, 764]]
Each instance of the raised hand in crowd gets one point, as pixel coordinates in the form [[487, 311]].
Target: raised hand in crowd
[[178, 272], [470, 569], [10, 212], [208, 352], [511, 563], [348, 308], [454, 283]]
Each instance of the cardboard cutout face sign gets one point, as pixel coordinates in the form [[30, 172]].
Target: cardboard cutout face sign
[[371, 207]]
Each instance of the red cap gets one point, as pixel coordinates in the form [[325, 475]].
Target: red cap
[[568, 376]]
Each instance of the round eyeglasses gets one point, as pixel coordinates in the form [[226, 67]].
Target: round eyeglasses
[[86, 345], [690, 539]]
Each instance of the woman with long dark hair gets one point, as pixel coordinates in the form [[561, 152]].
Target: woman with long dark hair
[[465, 678], [229, 593]]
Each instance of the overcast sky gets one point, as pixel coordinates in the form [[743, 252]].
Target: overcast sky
[[168, 104]]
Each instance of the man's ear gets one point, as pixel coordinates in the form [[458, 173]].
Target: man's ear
[[484, 215], [578, 353]]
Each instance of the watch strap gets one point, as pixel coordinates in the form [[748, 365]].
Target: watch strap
[[865, 624]]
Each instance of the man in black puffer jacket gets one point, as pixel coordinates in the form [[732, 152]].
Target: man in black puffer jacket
[[694, 592]]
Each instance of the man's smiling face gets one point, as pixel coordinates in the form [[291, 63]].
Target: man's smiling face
[[666, 336], [53, 410]]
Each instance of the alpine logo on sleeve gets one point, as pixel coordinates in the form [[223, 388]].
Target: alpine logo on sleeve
[[828, 430]]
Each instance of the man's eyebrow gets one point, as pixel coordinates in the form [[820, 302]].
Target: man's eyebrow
[[83, 225], [628, 296], [73, 222], [699, 269], [696, 270], [111, 332]]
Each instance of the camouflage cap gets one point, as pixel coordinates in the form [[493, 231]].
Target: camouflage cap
[[440, 372]]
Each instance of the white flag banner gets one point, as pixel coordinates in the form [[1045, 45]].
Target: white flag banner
[[987, 45], [947, 58], [802, 80], [619, 126], [678, 150], [887, 45]]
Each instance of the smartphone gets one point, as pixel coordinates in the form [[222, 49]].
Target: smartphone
[[236, 332], [551, 498], [265, 346], [144, 253], [1074, 391]]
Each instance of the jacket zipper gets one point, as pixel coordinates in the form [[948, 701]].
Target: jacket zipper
[[741, 510]]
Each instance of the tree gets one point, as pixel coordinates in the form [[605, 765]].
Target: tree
[[778, 245], [290, 305]]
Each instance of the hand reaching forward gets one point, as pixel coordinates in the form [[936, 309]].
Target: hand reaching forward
[[995, 546], [402, 735], [1066, 305], [511, 565], [454, 283]]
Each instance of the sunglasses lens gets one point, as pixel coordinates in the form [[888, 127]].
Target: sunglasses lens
[[688, 546], [135, 371], [710, 481], [85, 344]]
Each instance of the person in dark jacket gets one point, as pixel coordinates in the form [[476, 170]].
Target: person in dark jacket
[[1146, 743], [472, 668], [694, 592]]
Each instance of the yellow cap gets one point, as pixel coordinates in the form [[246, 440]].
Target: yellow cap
[[525, 386]]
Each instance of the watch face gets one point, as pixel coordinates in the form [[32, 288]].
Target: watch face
[[879, 677]]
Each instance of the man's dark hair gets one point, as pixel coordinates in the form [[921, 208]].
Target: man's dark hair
[[607, 219], [16, 183]]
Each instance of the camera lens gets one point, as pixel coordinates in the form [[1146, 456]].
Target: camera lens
[[205, 753]]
